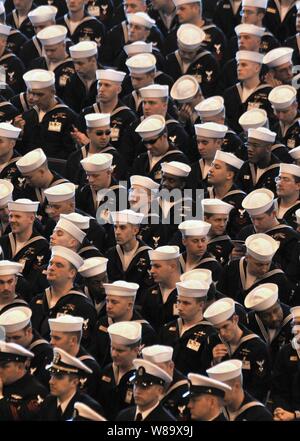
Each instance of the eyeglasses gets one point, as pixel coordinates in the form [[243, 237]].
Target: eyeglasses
[[151, 141], [283, 179], [103, 132]]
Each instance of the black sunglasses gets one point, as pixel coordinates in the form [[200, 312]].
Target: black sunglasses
[[153, 141], [103, 132]]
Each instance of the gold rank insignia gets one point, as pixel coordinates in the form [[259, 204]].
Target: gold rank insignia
[[106, 379]]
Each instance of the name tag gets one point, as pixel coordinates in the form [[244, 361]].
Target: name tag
[[115, 132], [94, 11], [193, 345], [54, 126], [128, 396], [175, 309], [246, 365]]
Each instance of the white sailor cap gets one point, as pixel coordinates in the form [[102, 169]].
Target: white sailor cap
[[261, 247], [176, 168], [250, 29], [110, 75], [291, 169], [194, 228], [13, 352], [262, 297], [185, 2], [125, 333], [297, 213], [166, 252], [4, 29], [255, 3], [258, 201], [228, 158], [97, 162], [151, 126], [147, 372], [69, 227], [93, 266], [254, 57], [38, 79], [154, 91], [83, 49], [95, 120], [277, 57], [121, 288], [52, 35], [6, 190], [220, 311], [190, 37], [31, 161], [82, 222], [253, 118], [225, 371], [141, 63], [127, 217], [210, 106], [192, 288], [15, 318], [66, 323], [157, 353], [295, 152], [281, 97], [63, 362], [141, 19], [185, 89], [216, 206], [68, 255], [211, 130], [201, 384], [41, 14], [25, 205], [143, 181], [60, 192], [8, 268], [82, 412], [262, 133], [201, 274], [7, 130], [295, 311], [138, 47]]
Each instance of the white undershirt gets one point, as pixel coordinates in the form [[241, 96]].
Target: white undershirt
[[185, 66], [65, 403], [41, 115], [73, 25], [165, 294], [271, 333], [19, 245], [283, 11], [166, 206], [154, 160], [53, 66], [21, 18], [206, 169], [281, 211], [128, 256], [235, 4], [250, 280], [259, 172]]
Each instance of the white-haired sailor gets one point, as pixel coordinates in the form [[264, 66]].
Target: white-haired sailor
[[149, 384], [67, 373], [185, 60], [288, 187], [191, 12], [260, 206], [66, 333], [269, 317], [16, 321], [188, 334], [24, 244], [160, 149], [206, 398], [128, 259], [257, 267], [234, 340], [195, 240], [249, 92], [115, 389], [159, 302], [120, 302], [174, 399], [216, 213], [62, 297], [8, 137], [21, 393], [239, 404], [49, 123]]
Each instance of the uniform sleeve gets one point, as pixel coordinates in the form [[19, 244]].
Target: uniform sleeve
[[21, 409]]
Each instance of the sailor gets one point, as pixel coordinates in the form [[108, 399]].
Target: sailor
[[288, 187], [8, 155]]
